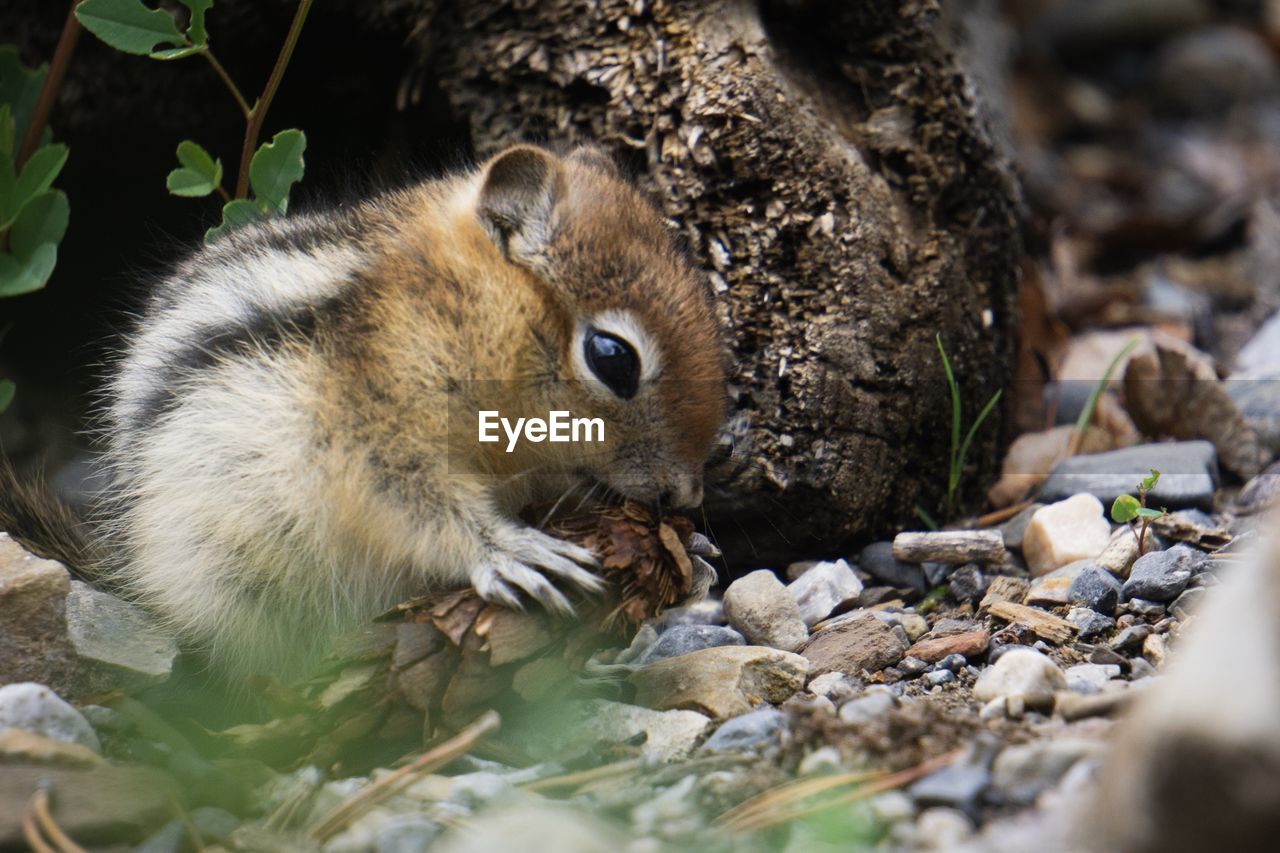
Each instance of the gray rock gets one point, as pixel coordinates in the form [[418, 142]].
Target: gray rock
[[104, 719], [868, 707], [835, 686], [760, 607], [708, 611], [939, 677], [1096, 589], [1090, 677], [1015, 528], [1130, 639], [936, 574], [954, 662], [408, 833], [724, 681], [682, 639], [912, 667], [823, 589], [1089, 623], [477, 789], [1161, 575], [1188, 474], [1262, 353], [1091, 25], [861, 642], [823, 760], [940, 828], [1146, 609], [541, 825], [1210, 70], [1054, 589], [967, 583], [1021, 672], [1186, 604], [35, 708], [119, 636], [33, 642], [749, 732], [668, 735], [878, 561], [213, 825], [1258, 399], [959, 786], [1025, 771]]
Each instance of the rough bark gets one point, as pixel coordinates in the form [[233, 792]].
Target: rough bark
[[825, 160], [830, 171]]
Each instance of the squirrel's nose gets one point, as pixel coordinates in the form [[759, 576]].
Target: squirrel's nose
[[684, 493]]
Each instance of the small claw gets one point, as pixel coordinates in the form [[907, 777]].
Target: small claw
[[492, 588], [701, 546], [541, 590]]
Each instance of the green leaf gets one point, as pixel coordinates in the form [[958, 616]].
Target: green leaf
[[1125, 509], [200, 173], [195, 29], [187, 183], [128, 25], [7, 390], [1150, 482], [275, 167], [175, 52], [235, 214], [40, 171], [6, 132], [24, 276], [19, 87], [1143, 512], [42, 220]]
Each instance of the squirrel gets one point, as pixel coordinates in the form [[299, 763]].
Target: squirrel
[[291, 428]]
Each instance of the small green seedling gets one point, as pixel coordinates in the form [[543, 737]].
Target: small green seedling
[[270, 170], [959, 447], [1127, 509]]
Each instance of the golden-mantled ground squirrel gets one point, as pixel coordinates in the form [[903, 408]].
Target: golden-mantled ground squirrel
[[292, 426]]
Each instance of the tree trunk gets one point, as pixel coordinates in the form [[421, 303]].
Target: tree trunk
[[826, 161], [831, 172]]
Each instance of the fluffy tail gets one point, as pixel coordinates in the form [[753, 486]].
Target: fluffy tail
[[45, 525]]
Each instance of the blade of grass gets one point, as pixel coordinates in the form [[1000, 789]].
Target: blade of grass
[[1086, 414], [953, 474], [924, 516], [982, 416]]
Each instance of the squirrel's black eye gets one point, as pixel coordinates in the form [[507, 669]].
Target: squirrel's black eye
[[614, 363]]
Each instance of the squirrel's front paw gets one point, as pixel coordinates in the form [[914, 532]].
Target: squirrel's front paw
[[521, 559]]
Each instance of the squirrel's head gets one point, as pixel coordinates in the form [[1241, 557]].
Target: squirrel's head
[[628, 336]]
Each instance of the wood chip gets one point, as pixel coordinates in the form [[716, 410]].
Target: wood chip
[[1004, 588], [1044, 625], [950, 546]]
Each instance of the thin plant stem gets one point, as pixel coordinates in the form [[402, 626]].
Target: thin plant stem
[[245, 109], [258, 114], [48, 95], [52, 84]]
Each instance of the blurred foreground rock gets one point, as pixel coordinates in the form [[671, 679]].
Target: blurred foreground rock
[[65, 634], [1197, 764]]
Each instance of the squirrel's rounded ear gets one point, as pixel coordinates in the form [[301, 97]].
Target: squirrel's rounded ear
[[595, 157], [518, 199]]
